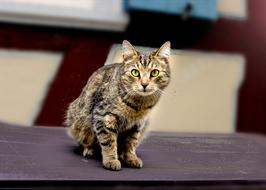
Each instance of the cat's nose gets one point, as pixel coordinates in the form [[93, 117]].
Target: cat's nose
[[144, 85]]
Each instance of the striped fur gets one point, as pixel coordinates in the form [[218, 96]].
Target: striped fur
[[112, 110]]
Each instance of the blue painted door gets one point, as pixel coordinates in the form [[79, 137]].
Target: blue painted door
[[204, 9]]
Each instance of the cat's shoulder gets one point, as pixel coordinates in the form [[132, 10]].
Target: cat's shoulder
[[102, 70], [106, 70], [102, 73], [109, 67]]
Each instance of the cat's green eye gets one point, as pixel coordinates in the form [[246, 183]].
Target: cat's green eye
[[155, 73], [135, 73]]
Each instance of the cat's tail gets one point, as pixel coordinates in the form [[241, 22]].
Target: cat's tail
[[68, 122], [69, 132]]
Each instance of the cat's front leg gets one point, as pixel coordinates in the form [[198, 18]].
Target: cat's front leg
[[107, 139], [128, 154]]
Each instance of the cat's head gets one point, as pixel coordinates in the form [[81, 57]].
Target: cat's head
[[145, 73]]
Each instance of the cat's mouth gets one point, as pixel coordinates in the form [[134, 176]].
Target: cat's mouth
[[146, 92]]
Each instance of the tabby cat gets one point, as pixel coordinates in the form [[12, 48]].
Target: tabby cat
[[113, 108]]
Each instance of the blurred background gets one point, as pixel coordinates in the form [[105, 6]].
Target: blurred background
[[48, 50]]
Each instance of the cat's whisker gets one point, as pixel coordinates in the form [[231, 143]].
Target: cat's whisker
[[159, 91], [129, 93], [173, 96], [167, 93]]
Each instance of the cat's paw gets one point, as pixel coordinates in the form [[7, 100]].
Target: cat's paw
[[112, 165], [87, 152], [133, 161]]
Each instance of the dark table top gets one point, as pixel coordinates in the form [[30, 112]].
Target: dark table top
[[46, 156]]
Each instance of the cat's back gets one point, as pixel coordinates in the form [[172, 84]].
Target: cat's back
[[100, 84], [97, 81], [102, 76]]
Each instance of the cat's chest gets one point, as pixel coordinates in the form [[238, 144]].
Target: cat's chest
[[133, 111], [132, 117]]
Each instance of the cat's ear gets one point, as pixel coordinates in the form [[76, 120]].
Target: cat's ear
[[164, 51], [128, 51]]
